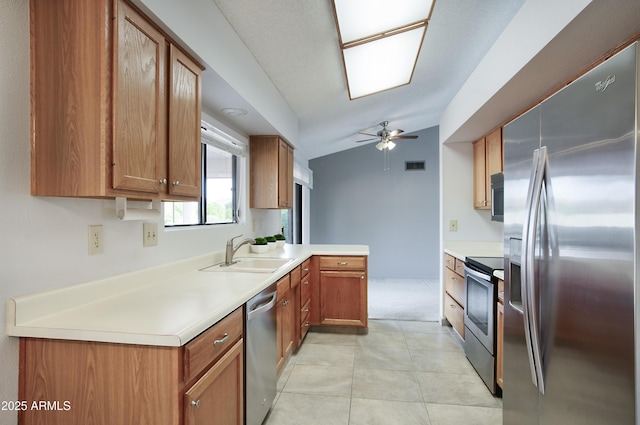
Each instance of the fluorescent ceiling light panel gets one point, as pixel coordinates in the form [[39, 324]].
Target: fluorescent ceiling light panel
[[359, 19], [382, 64]]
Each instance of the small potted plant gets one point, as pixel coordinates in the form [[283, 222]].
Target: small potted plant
[[280, 240], [259, 246], [271, 241]]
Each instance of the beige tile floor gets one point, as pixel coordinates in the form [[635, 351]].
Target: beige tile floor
[[401, 372]]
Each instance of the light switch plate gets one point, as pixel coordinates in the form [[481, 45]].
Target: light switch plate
[[149, 234]]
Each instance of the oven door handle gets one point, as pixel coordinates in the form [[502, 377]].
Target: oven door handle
[[477, 274]]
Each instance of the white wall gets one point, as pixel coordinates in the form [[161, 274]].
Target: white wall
[[43, 242], [456, 175]]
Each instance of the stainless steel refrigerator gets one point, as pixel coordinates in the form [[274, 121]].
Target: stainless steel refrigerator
[[570, 200]]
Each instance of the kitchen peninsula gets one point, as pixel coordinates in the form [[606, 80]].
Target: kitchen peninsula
[[148, 346]]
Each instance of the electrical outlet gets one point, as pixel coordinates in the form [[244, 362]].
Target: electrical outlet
[[453, 225], [96, 240], [149, 234]]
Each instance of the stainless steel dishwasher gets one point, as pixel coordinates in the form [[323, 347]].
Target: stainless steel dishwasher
[[260, 355]]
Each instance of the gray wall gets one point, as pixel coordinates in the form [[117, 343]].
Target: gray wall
[[355, 201]]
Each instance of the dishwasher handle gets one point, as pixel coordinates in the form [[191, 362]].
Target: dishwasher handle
[[262, 305]]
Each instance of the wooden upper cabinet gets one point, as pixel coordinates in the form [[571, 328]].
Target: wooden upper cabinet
[[140, 103], [479, 175], [487, 160], [184, 125], [271, 172], [106, 85]]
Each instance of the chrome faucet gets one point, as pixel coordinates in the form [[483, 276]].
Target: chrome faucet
[[230, 251]]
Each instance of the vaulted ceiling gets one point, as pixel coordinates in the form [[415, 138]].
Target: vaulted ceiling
[[295, 45]]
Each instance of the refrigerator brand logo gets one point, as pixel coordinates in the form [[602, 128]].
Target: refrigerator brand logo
[[601, 86]]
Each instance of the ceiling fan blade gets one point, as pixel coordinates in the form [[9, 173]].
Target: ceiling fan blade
[[395, 132], [405, 137], [366, 140], [368, 134]]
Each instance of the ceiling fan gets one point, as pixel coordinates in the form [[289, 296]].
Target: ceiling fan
[[386, 137]]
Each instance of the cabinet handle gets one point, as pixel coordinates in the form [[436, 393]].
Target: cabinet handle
[[343, 263], [452, 305], [306, 310], [362, 277], [306, 282], [163, 181], [306, 269], [195, 403], [176, 183], [220, 341], [307, 324]]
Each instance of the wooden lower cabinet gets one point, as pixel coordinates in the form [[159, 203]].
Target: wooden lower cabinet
[[286, 319], [454, 314], [454, 292], [216, 398], [339, 291], [102, 383]]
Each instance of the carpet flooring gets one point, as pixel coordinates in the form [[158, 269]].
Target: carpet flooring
[[404, 299]]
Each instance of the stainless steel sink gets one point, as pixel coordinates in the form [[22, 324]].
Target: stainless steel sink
[[250, 265]]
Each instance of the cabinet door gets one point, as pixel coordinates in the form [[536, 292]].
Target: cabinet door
[[343, 298], [184, 125], [479, 175], [217, 397], [493, 154], [289, 182], [139, 103], [283, 174]]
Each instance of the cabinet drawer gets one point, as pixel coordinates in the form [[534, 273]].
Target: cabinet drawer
[[450, 261], [459, 267], [305, 267], [305, 289], [454, 314], [454, 284], [342, 263], [212, 343], [304, 311]]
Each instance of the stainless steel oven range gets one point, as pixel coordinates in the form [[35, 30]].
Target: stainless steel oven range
[[481, 293]]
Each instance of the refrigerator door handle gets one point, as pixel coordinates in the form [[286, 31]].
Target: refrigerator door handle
[[528, 269]]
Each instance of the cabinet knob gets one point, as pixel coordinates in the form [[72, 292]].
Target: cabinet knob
[[306, 282], [195, 403], [176, 183], [163, 181], [343, 263], [221, 340], [306, 310]]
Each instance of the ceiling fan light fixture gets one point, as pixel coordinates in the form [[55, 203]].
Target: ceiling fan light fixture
[[390, 145], [381, 145]]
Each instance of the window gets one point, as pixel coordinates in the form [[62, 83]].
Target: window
[[219, 192]]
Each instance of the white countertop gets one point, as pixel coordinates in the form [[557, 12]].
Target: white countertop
[[463, 249], [166, 305]]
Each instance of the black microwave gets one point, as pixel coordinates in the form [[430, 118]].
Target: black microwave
[[497, 197]]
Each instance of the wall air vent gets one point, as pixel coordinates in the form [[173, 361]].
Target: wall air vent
[[413, 165]]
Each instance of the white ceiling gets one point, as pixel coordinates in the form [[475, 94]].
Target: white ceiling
[[296, 44]]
